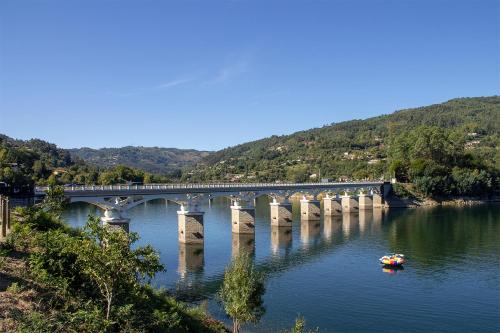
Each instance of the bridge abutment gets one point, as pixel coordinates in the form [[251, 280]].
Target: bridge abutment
[[242, 219], [190, 226], [310, 209]]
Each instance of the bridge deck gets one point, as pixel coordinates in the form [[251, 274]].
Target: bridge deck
[[107, 190]]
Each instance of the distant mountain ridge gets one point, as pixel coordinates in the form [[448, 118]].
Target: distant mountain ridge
[[152, 159]]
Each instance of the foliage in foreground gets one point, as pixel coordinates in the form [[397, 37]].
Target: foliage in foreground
[[242, 291], [94, 280]]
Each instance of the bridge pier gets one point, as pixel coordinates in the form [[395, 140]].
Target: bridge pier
[[349, 204], [242, 219], [113, 218], [190, 226], [281, 213], [331, 206], [365, 201], [310, 209], [377, 200]]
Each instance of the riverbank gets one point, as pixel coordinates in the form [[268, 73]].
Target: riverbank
[[48, 283], [405, 196]]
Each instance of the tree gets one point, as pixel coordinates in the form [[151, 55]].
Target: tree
[[106, 257], [297, 173], [242, 291], [55, 201]]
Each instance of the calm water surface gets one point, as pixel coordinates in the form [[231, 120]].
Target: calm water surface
[[328, 271]]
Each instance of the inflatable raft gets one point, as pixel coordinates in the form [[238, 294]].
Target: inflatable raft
[[393, 260]]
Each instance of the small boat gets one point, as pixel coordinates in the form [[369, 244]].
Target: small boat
[[393, 260]]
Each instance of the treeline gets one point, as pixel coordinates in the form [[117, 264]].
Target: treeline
[[434, 160], [466, 130], [24, 164]]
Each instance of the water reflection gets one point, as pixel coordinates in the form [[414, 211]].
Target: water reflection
[[331, 226], [365, 219], [242, 242], [191, 258], [350, 225], [452, 252], [377, 214], [392, 270], [281, 238], [309, 232]]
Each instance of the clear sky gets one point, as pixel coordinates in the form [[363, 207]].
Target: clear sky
[[211, 74]]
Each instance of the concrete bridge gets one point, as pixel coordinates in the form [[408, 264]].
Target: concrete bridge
[[338, 198]]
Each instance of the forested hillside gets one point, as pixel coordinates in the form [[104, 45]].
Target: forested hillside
[[26, 163], [151, 159], [461, 133], [448, 148]]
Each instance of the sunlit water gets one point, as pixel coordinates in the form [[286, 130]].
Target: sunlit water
[[328, 271]]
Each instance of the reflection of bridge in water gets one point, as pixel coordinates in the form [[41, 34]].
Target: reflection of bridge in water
[[317, 240]]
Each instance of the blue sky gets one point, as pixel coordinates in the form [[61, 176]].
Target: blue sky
[[211, 74]]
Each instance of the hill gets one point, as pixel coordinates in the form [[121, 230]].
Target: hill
[[150, 159], [24, 163], [360, 149]]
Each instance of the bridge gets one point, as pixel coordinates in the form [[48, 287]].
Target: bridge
[[337, 198]]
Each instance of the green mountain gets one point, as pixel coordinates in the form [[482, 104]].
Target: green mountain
[[150, 159], [361, 149]]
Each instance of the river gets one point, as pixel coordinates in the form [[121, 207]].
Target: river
[[328, 271]]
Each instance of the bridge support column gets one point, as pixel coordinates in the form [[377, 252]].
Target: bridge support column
[[243, 219], [190, 226], [113, 218], [349, 204], [365, 202], [331, 206], [310, 209], [377, 200], [281, 214]]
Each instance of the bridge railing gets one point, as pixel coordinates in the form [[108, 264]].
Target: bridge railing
[[152, 187]]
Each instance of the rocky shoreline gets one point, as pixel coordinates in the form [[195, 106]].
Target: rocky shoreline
[[395, 202]]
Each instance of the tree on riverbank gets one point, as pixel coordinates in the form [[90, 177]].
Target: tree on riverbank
[[242, 291]]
